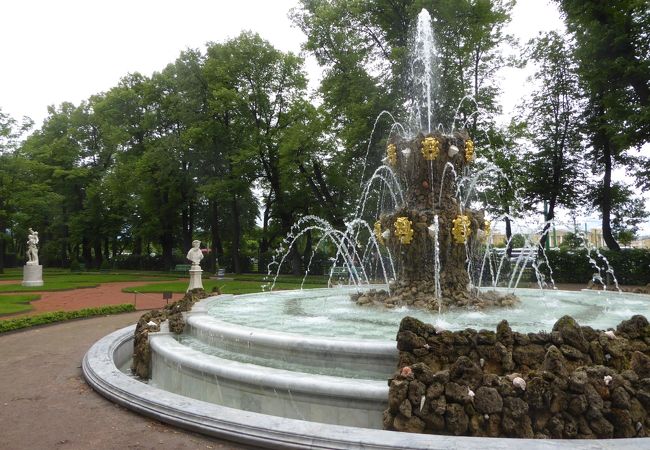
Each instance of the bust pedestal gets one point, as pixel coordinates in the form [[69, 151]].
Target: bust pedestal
[[195, 277], [32, 275]]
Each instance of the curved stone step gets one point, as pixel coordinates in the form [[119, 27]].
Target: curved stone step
[[367, 355], [320, 398]]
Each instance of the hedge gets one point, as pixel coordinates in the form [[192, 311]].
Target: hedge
[[631, 266], [58, 316]]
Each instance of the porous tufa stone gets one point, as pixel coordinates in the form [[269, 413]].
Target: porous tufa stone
[[533, 385]]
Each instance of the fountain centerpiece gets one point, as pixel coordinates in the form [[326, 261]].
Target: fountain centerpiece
[[429, 230]]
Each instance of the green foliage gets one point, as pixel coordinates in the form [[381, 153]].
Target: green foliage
[[59, 316], [628, 211], [631, 266], [571, 241], [12, 304], [554, 125], [518, 241], [614, 70]]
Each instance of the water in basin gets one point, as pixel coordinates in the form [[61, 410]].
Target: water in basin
[[331, 313]]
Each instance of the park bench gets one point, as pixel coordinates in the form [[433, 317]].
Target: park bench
[[182, 268], [340, 273], [221, 273]]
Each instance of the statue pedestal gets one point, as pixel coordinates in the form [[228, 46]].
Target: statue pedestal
[[195, 278], [32, 275]]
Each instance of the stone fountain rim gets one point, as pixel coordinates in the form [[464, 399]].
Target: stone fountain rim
[[101, 373]]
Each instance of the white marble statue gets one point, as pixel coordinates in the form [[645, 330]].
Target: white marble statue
[[195, 254], [32, 248]]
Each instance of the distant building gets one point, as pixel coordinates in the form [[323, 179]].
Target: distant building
[[556, 238], [642, 242]]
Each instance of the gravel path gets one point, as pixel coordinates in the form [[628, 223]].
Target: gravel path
[[45, 403]]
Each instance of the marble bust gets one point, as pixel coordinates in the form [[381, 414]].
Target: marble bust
[[195, 254], [32, 248]]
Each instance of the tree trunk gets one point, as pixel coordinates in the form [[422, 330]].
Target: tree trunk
[[2, 253], [508, 235], [167, 243], [106, 249], [550, 215], [296, 260], [86, 254], [309, 247], [236, 235], [187, 232], [216, 248], [115, 250], [137, 245], [607, 197], [98, 253], [262, 266]]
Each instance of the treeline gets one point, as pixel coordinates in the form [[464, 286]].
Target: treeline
[[226, 145]]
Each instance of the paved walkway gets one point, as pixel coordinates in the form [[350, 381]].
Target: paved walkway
[[45, 403]]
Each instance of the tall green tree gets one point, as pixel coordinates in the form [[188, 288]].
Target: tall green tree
[[363, 48], [612, 48], [11, 132], [553, 117], [265, 88]]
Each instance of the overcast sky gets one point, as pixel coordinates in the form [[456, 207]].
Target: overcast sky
[[67, 50]]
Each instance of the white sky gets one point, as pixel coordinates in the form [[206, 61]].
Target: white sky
[[67, 50]]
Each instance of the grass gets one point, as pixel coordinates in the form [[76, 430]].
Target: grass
[[61, 281], [13, 304], [242, 285], [311, 279], [59, 316]]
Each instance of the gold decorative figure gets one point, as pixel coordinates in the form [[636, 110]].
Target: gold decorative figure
[[487, 229], [469, 150], [430, 148], [462, 229], [404, 230], [391, 154], [378, 235]]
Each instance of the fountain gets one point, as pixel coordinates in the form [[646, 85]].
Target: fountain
[[308, 369]]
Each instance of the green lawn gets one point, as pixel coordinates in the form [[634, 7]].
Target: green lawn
[[12, 304], [61, 281], [236, 286]]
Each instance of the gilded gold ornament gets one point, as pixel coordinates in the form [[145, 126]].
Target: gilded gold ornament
[[391, 154], [378, 232], [469, 150], [404, 230], [461, 229], [430, 148]]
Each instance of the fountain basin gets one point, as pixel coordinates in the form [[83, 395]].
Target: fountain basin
[[100, 369], [354, 358], [298, 395], [245, 386]]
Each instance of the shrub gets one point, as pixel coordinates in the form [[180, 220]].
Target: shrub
[[58, 316], [631, 266]]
